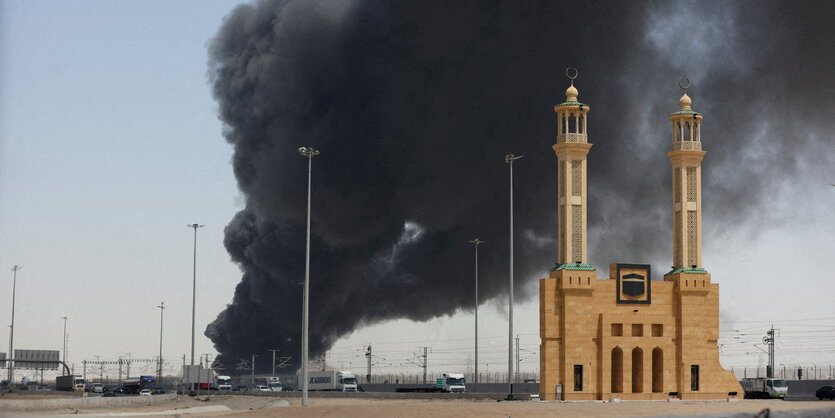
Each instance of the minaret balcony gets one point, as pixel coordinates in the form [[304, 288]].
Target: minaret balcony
[[575, 138], [687, 146]]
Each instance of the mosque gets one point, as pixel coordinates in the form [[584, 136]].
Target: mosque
[[627, 336]]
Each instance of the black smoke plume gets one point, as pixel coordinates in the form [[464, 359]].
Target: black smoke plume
[[414, 105]]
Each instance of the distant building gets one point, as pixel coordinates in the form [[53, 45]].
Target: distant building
[[626, 336]]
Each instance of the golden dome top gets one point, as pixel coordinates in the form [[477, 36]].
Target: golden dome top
[[571, 93], [685, 102]]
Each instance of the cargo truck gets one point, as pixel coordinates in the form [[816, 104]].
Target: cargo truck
[[454, 383], [333, 380], [449, 383], [764, 387], [70, 383], [224, 383], [274, 383]]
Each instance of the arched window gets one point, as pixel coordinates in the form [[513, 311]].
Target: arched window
[[657, 370], [687, 132], [581, 124], [617, 370], [637, 370]]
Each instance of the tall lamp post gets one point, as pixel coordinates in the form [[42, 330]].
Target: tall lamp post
[[194, 288], [475, 243], [64, 357], [11, 328], [161, 310], [509, 159], [309, 153]]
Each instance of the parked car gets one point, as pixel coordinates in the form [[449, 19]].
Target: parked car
[[825, 392], [145, 392], [262, 388]]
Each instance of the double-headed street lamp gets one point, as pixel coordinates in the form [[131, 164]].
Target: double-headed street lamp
[[194, 288], [64, 357], [509, 159], [161, 307], [309, 153], [475, 242], [11, 328]]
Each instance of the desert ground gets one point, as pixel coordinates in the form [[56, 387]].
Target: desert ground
[[260, 406]]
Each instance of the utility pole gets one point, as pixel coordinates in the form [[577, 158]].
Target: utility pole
[[274, 351], [517, 359], [769, 339], [120, 370], [11, 328], [425, 362], [509, 158], [368, 358], [252, 371], [475, 243], [84, 373]]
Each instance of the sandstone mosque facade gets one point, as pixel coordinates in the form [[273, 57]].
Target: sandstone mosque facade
[[627, 336]]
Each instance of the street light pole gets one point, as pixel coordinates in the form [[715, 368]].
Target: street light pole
[[475, 243], [11, 328], [509, 158], [161, 309], [194, 288], [309, 153], [64, 357]]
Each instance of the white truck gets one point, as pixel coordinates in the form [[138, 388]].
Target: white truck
[[274, 383], [98, 388], [70, 383], [764, 387], [335, 380], [224, 383], [454, 383]]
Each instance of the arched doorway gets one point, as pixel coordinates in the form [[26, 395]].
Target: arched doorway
[[637, 370], [617, 370], [657, 370]]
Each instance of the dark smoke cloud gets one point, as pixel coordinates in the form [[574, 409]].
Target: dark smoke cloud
[[415, 104]]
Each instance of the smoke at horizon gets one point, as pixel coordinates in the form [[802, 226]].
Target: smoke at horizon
[[414, 106]]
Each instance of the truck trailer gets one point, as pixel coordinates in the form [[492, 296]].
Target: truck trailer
[[764, 387], [333, 380], [449, 383]]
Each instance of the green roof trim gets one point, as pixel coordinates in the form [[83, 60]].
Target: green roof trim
[[687, 270], [572, 104], [685, 112], [573, 266]]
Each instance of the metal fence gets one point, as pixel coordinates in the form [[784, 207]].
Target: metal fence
[[814, 372]]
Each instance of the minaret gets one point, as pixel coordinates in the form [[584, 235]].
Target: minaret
[[571, 148], [686, 158]]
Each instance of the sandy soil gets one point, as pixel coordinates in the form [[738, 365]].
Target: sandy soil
[[251, 406]]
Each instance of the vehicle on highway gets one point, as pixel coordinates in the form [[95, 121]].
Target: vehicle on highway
[[764, 387], [262, 388], [224, 383], [98, 388], [145, 392], [825, 392]]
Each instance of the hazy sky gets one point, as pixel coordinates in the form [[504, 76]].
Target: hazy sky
[[110, 143]]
